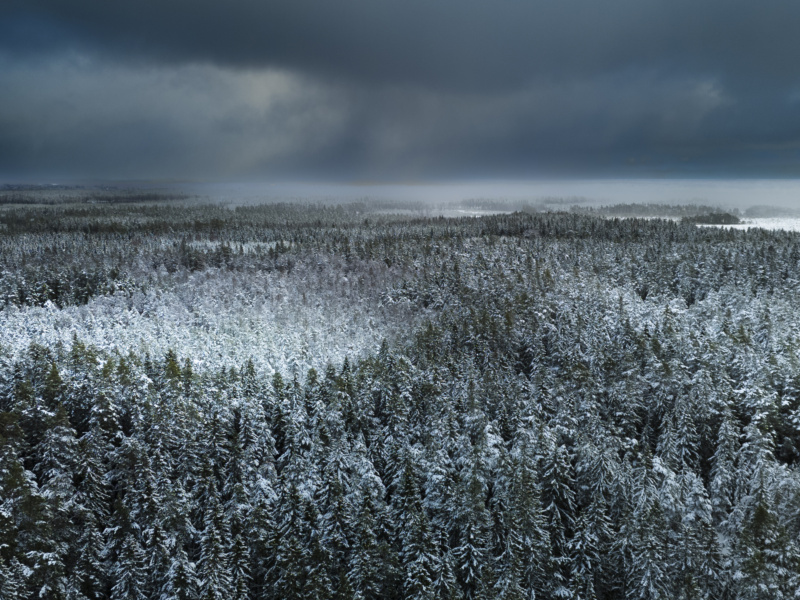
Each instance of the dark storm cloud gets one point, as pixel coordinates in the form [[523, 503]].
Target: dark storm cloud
[[472, 43], [398, 89]]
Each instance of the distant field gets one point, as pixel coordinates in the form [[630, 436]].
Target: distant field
[[772, 224]]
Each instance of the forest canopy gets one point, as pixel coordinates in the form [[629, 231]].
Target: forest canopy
[[306, 401]]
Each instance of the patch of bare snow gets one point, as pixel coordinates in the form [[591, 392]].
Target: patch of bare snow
[[770, 223]]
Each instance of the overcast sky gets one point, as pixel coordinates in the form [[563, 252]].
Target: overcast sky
[[398, 90]]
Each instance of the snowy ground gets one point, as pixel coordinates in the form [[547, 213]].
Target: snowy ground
[[774, 223]]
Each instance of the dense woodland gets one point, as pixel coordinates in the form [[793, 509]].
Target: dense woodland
[[554, 406]]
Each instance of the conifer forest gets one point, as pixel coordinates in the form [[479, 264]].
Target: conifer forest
[[296, 401]]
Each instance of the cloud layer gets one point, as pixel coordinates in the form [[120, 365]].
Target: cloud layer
[[413, 89]]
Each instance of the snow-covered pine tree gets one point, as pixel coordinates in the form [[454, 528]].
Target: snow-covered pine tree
[[129, 572], [181, 582], [214, 569]]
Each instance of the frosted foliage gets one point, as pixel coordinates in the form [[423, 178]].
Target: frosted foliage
[[284, 322], [526, 406]]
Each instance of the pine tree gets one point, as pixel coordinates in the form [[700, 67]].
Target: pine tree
[[28, 540], [558, 500], [647, 575], [158, 549], [53, 386], [287, 576], [766, 556], [509, 564], [92, 489], [56, 466], [316, 560], [523, 491], [335, 518], [722, 487], [679, 441], [589, 547], [90, 568], [417, 550], [105, 417], [261, 533], [181, 582], [12, 581], [445, 582], [214, 565], [240, 568], [367, 565], [56, 458], [472, 551], [695, 557], [129, 573]]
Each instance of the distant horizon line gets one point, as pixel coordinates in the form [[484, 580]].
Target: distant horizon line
[[77, 182]]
